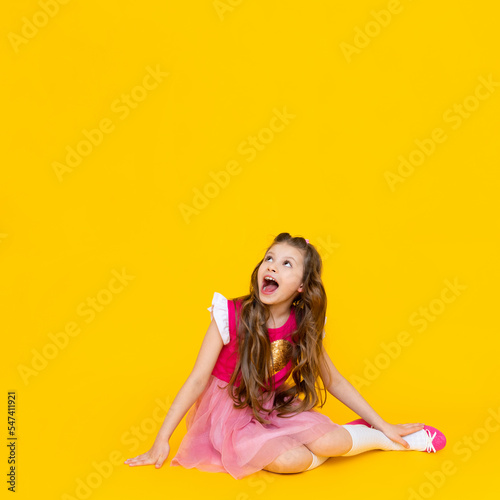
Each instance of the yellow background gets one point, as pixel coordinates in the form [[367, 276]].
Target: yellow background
[[323, 176]]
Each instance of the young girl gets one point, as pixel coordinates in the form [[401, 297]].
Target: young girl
[[260, 353]]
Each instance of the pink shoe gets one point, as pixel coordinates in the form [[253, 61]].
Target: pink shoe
[[436, 440]]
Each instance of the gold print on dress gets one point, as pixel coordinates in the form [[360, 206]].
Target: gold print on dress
[[281, 351]]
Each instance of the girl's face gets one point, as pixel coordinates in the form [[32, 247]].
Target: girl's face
[[285, 264]]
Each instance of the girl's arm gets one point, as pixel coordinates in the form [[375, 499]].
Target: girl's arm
[[187, 395], [344, 391], [337, 385], [195, 383]]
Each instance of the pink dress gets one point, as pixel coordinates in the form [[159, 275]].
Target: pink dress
[[222, 438]]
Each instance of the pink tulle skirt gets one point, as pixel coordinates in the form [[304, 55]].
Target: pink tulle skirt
[[221, 438]]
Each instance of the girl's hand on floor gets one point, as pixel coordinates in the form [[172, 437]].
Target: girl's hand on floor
[[156, 455], [395, 431]]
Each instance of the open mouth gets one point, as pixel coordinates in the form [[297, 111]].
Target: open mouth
[[269, 286]]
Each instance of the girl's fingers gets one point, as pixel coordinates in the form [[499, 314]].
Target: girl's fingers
[[133, 461], [148, 459], [159, 462], [412, 426], [139, 460], [399, 440], [411, 430]]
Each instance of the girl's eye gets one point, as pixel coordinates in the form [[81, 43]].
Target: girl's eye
[[269, 257]]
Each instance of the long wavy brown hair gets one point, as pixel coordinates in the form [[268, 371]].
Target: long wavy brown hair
[[254, 366]]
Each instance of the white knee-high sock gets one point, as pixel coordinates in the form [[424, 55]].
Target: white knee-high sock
[[317, 460], [365, 438]]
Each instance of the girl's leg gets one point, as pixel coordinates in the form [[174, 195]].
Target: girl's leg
[[346, 440], [300, 459], [294, 460], [332, 444], [350, 440]]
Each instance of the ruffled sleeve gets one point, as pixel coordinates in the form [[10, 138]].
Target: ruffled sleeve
[[324, 333], [219, 311]]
